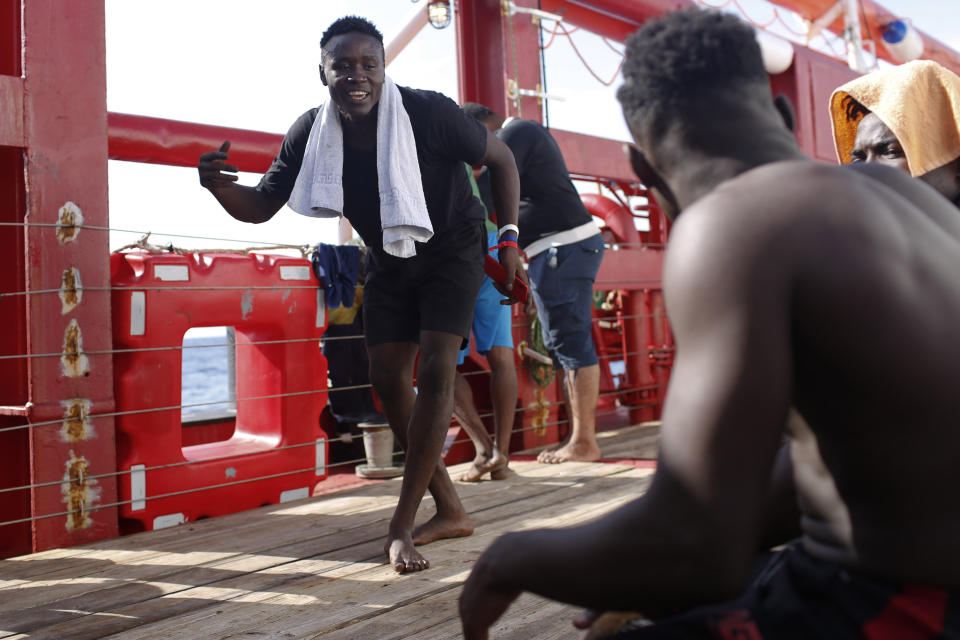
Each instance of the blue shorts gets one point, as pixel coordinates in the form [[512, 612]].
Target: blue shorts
[[561, 281], [491, 320]]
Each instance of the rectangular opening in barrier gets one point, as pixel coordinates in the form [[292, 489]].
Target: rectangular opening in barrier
[[208, 385]]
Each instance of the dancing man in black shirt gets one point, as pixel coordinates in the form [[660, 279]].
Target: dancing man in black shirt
[[353, 157]]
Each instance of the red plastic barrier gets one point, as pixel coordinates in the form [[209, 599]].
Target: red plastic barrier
[[156, 299]]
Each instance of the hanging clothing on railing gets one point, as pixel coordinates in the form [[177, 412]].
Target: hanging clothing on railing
[[337, 268]]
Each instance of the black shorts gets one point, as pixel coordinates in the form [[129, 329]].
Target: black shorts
[[801, 597], [433, 291]]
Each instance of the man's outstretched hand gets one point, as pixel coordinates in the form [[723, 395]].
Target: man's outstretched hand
[[212, 166], [482, 601]]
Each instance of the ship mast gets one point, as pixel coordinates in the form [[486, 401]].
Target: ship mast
[[851, 18]]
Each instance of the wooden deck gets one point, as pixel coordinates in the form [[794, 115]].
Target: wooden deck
[[313, 568]]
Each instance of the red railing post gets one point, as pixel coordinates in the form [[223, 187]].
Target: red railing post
[[66, 275], [497, 55], [14, 539]]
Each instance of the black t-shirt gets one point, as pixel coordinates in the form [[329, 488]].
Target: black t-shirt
[[548, 200], [445, 138]]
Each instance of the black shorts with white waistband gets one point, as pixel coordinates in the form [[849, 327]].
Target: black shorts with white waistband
[[433, 291]]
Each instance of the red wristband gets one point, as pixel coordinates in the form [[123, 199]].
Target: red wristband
[[506, 243]]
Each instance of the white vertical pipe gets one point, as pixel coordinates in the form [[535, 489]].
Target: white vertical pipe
[[853, 37]]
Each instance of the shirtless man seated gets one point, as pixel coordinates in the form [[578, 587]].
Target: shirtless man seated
[[790, 285]]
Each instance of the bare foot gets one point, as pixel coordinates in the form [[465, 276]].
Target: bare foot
[[571, 451], [403, 556], [437, 527], [476, 469], [545, 455], [502, 474], [483, 465]]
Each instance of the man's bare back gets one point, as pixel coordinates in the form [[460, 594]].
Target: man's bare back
[[793, 288], [866, 252]]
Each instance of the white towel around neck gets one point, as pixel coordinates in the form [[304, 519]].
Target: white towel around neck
[[318, 190]]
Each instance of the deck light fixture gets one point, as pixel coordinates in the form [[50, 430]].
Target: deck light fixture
[[439, 13], [902, 41]]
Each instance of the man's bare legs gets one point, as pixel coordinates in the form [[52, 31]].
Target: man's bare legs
[[582, 388], [503, 391], [486, 458], [491, 455], [420, 421]]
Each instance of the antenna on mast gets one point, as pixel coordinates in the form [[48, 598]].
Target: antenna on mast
[[852, 35]]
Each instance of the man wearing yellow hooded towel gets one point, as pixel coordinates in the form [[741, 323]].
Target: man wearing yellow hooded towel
[[906, 116]]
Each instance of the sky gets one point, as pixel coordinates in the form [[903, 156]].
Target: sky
[[252, 64]]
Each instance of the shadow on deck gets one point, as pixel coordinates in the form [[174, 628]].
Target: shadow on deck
[[314, 568]]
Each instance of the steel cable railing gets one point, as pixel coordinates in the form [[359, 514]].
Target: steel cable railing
[[168, 248], [185, 347], [113, 414], [59, 421], [520, 410], [342, 438], [86, 289], [182, 347], [246, 480], [56, 225], [613, 317]]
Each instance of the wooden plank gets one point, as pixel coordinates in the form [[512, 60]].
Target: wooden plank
[[243, 599], [572, 510], [476, 497], [529, 618], [93, 558], [154, 564], [376, 589], [175, 588], [268, 522], [412, 620], [202, 533], [637, 442], [437, 618]]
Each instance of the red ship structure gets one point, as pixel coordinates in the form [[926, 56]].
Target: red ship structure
[[91, 436]]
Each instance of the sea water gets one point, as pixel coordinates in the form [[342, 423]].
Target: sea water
[[205, 378]]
